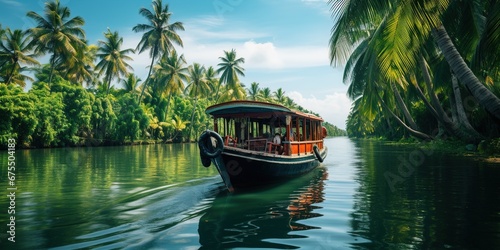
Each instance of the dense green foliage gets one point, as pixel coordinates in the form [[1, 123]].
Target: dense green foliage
[[59, 111], [424, 68]]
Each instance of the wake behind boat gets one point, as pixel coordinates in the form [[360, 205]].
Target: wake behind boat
[[261, 143]]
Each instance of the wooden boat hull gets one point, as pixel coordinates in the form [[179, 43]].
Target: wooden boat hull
[[247, 168]]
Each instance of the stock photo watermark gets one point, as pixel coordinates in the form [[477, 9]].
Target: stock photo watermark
[[225, 6], [11, 189]]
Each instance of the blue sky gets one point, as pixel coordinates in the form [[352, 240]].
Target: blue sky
[[284, 42]]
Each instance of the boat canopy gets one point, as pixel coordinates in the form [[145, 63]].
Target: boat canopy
[[242, 108]]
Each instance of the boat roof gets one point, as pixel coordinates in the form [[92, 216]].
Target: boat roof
[[246, 108]]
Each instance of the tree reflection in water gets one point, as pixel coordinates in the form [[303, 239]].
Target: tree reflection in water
[[261, 218]]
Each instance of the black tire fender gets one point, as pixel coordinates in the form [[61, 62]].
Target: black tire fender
[[317, 154], [206, 147]]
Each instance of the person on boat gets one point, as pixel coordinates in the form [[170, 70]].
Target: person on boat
[[277, 143]]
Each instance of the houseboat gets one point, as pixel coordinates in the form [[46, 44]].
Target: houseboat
[[255, 143]]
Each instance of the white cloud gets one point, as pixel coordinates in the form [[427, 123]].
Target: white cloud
[[333, 108]]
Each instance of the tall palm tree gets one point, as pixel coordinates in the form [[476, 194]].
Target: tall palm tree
[[56, 34], [112, 58], [198, 87], [231, 68], [15, 49], [171, 74], [212, 81], [159, 36]]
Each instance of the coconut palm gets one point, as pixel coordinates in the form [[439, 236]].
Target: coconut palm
[[160, 35], [112, 58], [266, 94], [230, 67], [212, 81], [131, 83], [403, 27], [56, 34], [254, 92], [81, 67], [198, 87], [279, 95], [171, 75], [15, 50]]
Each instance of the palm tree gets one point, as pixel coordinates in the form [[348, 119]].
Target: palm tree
[[212, 81], [178, 125], [159, 36], [266, 94], [171, 74], [279, 94], [15, 51], [112, 58], [254, 92], [56, 34], [403, 28], [230, 69], [82, 66], [290, 103], [131, 83], [3, 55], [198, 87]]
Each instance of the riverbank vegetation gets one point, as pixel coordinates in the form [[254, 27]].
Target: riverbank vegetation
[[88, 94], [424, 69]]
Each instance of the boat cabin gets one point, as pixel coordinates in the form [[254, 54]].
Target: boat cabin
[[267, 128]]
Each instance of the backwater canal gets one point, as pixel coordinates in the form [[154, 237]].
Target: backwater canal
[[366, 195]]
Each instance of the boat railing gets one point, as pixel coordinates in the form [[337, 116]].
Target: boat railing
[[257, 144], [301, 147], [289, 148]]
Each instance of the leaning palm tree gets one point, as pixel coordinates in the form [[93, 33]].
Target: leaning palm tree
[[171, 75], [16, 49], [112, 58], [56, 34], [159, 36], [230, 67], [198, 87], [404, 27]]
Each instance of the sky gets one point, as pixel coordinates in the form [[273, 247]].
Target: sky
[[284, 42]]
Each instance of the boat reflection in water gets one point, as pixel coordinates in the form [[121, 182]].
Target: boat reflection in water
[[265, 218]]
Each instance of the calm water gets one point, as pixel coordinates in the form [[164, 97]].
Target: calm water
[[366, 195]]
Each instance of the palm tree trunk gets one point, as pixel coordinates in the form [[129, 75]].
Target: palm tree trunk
[[192, 118], [11, 72], [413, 132], [421, 94], [442, 117], [402, 106], [52, 66], [463, 121], [168, 104], [149, 73], [464, 74], [109, 85]]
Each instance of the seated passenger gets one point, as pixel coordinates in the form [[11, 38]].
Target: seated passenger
[[277, 143]]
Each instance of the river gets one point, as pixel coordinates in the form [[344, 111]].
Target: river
[[366, 195]]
